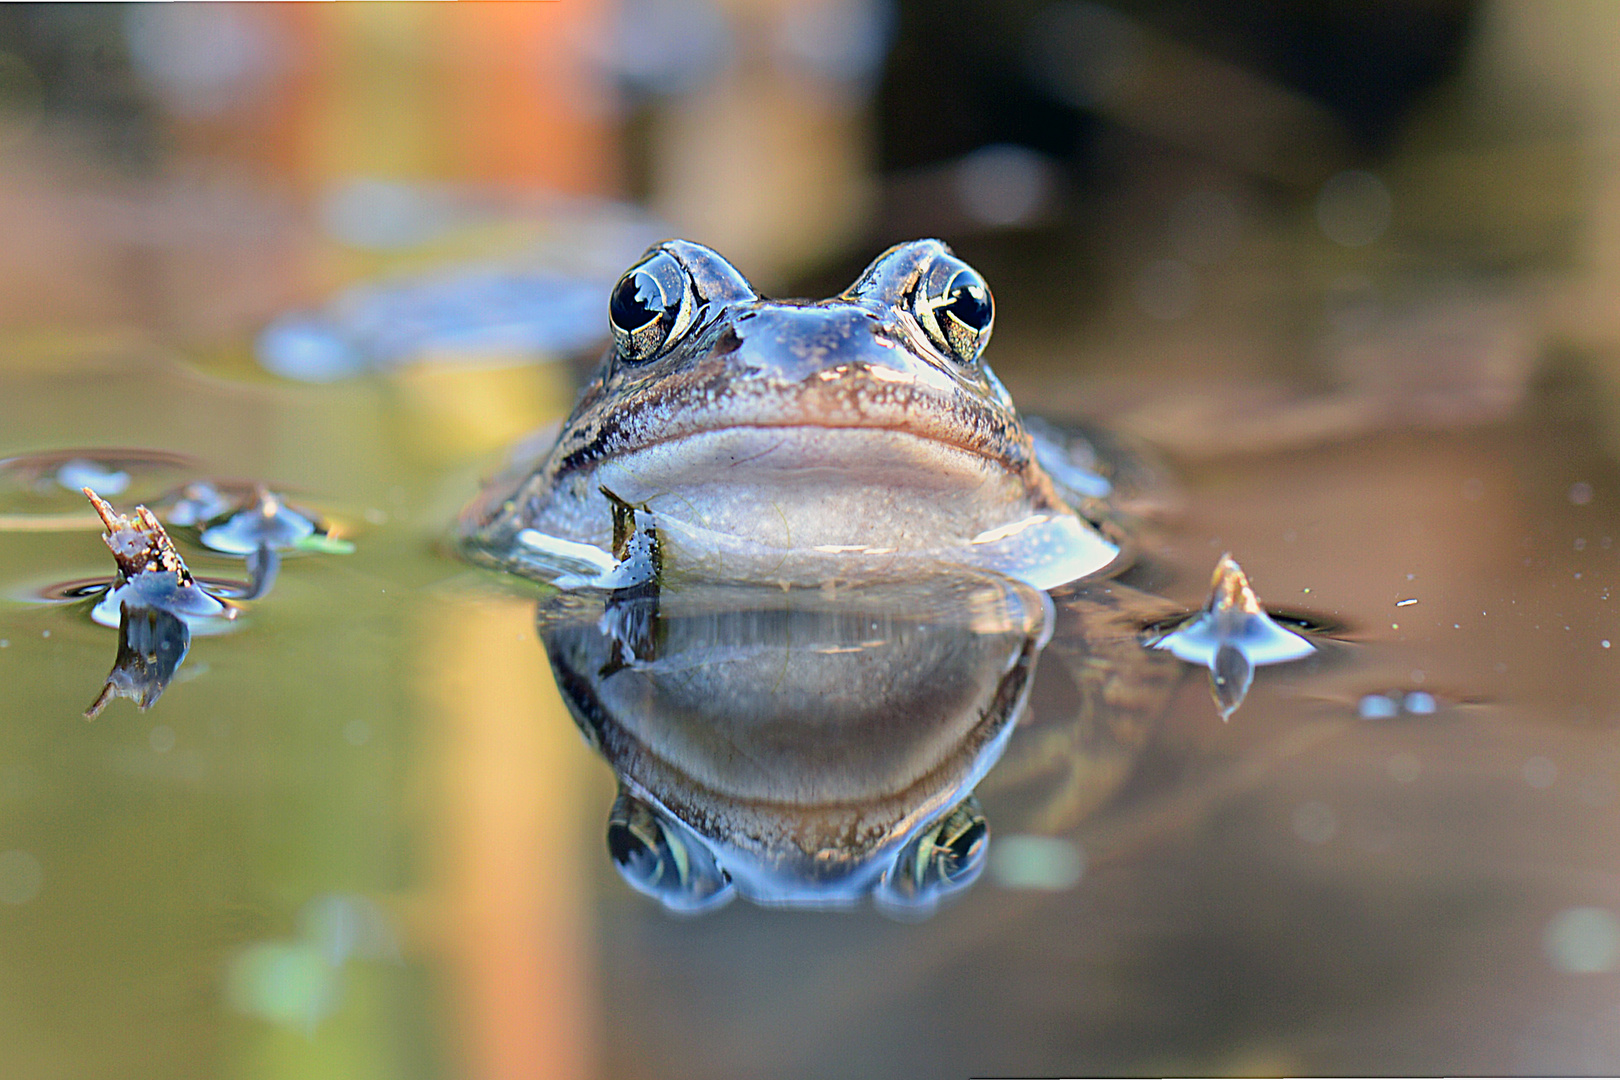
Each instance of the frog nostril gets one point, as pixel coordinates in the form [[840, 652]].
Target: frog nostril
[[727, 343]]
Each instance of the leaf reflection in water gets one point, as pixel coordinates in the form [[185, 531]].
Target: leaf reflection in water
[[151, 645]]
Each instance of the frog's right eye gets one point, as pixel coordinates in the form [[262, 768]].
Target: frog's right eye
[[651, 307], [663, 859], [944, 859]]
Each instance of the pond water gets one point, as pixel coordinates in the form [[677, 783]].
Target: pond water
[[359, 834]]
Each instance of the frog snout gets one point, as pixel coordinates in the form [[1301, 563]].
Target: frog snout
[[823, 343]]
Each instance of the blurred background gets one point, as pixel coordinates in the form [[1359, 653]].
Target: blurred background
[[1351, 267], [1146, 184]]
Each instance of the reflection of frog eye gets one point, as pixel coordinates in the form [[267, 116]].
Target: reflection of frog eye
[[943, 859], [955, 307], [663, 859], [649, 307]]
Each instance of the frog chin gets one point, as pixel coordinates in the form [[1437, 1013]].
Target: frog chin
[[789, 499], [793, 486]]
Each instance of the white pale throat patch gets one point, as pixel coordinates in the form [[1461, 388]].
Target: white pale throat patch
[[807, 504]]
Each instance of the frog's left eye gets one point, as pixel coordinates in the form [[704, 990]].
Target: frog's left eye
[[663, 859], [955, 306], [944, 859], [651, 307]]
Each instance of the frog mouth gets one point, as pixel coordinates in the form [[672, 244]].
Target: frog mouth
[[845, 424], [784, 456]]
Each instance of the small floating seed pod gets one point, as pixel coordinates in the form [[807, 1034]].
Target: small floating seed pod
[[1232, 636], [155, 593]]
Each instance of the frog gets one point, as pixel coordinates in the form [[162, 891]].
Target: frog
[[806, 555], [796, 440]]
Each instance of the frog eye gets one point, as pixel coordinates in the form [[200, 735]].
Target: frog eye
[[663, 859], [945, 858], [955, 306], [651, 307]]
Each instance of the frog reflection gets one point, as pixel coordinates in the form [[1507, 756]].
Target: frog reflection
[[801, 746], [811, 747]]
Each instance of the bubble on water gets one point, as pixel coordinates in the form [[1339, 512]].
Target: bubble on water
[[1580, 493], [1403, 768], [1540, 772], [357, 733], [1377, 707], [162, 739], [1315, 822], [4, 644], [1604, 643], [1583, 940], [1003, 184], [284, 982], [1419, 703], [1047, 863], [1166, 290], [21, 877], [1353, 208]]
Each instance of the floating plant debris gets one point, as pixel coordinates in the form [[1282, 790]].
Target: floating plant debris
[[155, 593], [1232, 636], [253, 523], [140, 546]]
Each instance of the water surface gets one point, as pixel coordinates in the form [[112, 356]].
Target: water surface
[[359, 835]]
